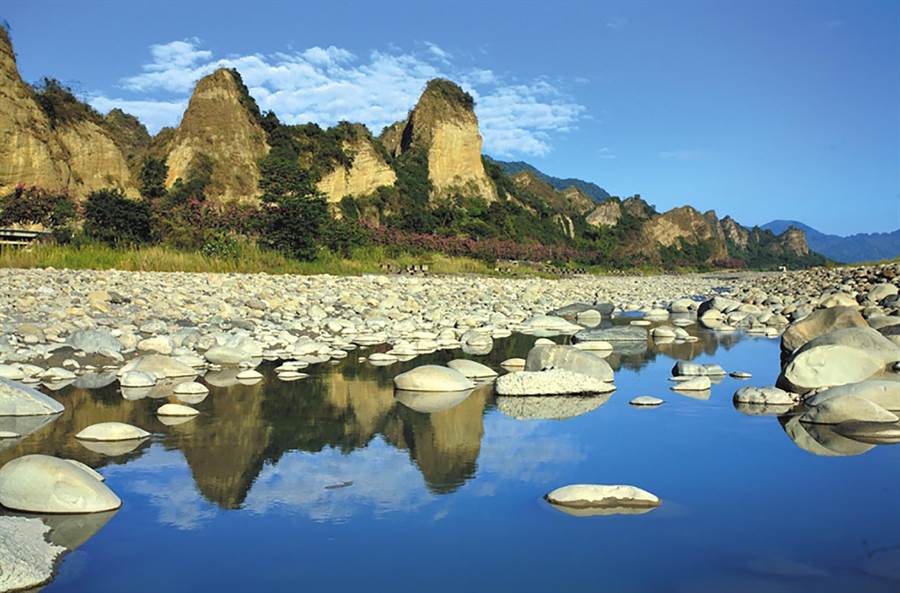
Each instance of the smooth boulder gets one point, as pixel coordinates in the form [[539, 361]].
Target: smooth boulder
[[764, 396], [568, 358], [847, 408], [45, 484], [827, 366], [472, 369], [432, 377], [111, 431], [17, 399], [818, 323]]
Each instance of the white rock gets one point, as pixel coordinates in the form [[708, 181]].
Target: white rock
[[111, 431], [176, 410], [615, 498], [13, 373], [44, 484], [26, 557], [551, 382], [701, 383], [646, 400], [472, 369], [432, 378], [137, 379], [17, 399]]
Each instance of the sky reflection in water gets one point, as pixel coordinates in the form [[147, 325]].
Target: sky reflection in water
[[329, 483]]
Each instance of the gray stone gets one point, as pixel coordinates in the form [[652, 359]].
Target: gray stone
[[568, 358], [17, 399], [26, 557], [432, 378], [552, 382], [623, 333], [94, 341]]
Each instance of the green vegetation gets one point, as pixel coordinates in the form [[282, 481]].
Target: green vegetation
[[243, 257], [153, 178], [60, 104], [450, 92], [114, 219]]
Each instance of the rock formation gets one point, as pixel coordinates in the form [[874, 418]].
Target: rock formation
[[444, 126], [66, 152], [221, 122], [368, 172]]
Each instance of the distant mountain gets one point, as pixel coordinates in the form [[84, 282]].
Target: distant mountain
[[592, 190], [851, 249]]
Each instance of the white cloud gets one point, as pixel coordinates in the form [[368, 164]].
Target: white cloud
[[327, 85], [606, 153]]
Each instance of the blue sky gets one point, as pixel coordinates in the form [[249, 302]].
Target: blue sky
[[761, 110]]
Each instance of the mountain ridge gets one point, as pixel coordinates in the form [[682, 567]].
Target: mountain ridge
[[859, 247]]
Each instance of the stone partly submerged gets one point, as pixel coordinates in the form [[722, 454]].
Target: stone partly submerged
[[846, 408], [26, 557], [765, 396], [602, 499], [819, 323], [432, 378], [568, 358], [111, 431], [17, 399], [820, 439], [549, 407], [827, 366], [646, 401], [430, 402], [700, 383], [551, 382], [622, 333], [45, 484], [472, 369]]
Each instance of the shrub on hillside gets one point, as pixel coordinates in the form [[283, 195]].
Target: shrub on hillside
[[293, 225], [342, 236], [33, 205], [113, 218]]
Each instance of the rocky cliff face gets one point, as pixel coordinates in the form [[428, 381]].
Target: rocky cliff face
[[606, 214], [444, 126], [221, 123], [368, 172], [793, 242], [684, 225], [74, 154]]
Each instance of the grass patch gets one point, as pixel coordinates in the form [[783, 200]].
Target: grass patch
[[251, 260]]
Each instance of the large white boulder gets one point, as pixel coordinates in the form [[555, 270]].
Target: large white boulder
[[45, 484], [472, 369], [111, 431], [701, 383], [847, 408], [827, 366], [551, 382], [568, 358], [432, 377], [884, 393], [17, 399], [160, 366]]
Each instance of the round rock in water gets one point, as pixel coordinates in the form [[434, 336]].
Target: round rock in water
[[646, 400], [17, 399], [829, 365], [847, 408], [432, 377], [176, 410], [45, 484], [190, 388], [112, 431], [137, 379], [764, 396], [249, 375], [513, 364], [701, 383], [741, 375], [472, 369], [604, 499], [26, 557]]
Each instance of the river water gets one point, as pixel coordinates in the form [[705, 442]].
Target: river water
[[330, 483]]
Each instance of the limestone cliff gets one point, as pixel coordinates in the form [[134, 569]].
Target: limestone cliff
[[71, 150], [222, 123], [444, 126], [368, 172], [683, 226], [606, 214]]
